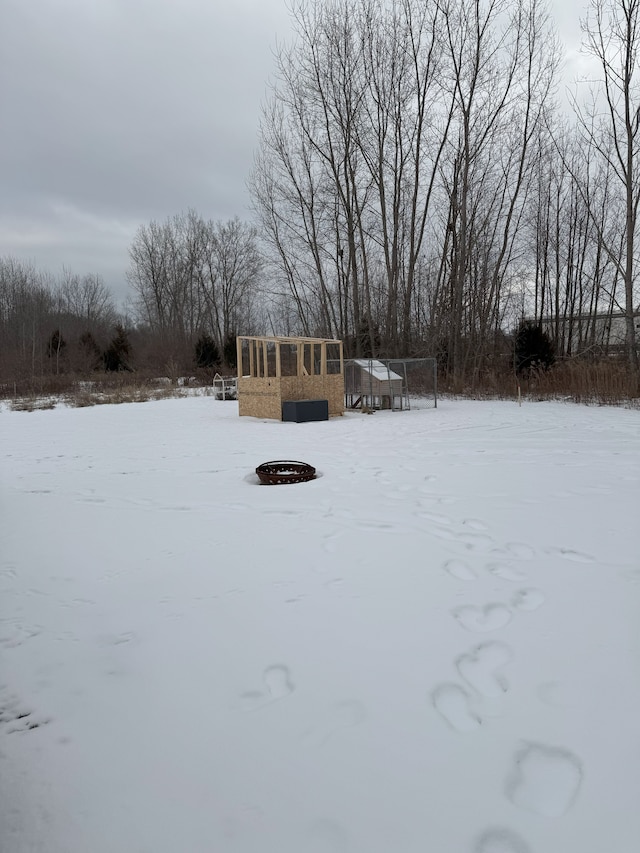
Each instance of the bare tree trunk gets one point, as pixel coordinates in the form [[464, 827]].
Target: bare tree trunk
[[612, 36]]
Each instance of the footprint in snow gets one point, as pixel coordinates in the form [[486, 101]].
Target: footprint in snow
[[528, 599], [278, 684], [481, 668], [460, 570], [476, 541], [453, 703], [506, 571], [491, 617], [544, 779], [500, 840], [325, 836], [278, 681]]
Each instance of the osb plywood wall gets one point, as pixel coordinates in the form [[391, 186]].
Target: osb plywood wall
[[260, 397], [330, 387]]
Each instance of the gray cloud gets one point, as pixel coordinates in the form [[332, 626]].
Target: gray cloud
[[116, 112]]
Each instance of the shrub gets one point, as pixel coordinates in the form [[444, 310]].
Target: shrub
[[89, 355]]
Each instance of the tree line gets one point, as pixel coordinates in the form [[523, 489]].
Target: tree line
[[52, 325], [195, 286], [417, 190]]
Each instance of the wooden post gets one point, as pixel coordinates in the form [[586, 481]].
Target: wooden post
[[323, 358], [251, 359], [239, 356], [278, 366], [265, 356]]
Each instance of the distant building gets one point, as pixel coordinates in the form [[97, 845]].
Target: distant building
[[604, 332]]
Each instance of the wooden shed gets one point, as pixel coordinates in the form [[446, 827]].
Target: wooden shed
[[275, 370]]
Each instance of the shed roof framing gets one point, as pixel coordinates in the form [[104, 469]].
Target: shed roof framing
[[261, 347]]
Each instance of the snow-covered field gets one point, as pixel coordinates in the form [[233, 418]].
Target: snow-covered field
[[434, 647]]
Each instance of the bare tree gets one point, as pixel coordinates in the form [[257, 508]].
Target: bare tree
[[26, 309], [190, 277], [87, 298], [503, 64], [611, 124], [165, 273], [229, 272], [349, 148], [42, 320]]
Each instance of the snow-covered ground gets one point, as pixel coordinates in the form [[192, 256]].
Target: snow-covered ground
[[434, 647]]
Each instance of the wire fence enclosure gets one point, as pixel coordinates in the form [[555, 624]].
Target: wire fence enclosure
[[396, 384]]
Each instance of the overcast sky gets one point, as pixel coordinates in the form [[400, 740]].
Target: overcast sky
[[117, 112]]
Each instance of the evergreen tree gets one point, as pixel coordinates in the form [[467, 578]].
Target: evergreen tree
[[229, 351], [56, 344], [369, 340], [207, 353], [116, 356], [533, 348]]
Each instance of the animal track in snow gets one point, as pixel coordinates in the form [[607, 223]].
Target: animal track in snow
[[434, 517], [331, 542], [444, 533], [491, 617], [573, 556], [335, 586], [459, 569], [475, 524], [499, 840], [528, 599], [344, 715], [476, 541], [506, 571], [544, 779], [17, 718], [453, 703], [326, 836], [340, 716], [8, 571], [554, 693], [481, 667], [520, 550], [286, 513], [371, 524], [18, 634]]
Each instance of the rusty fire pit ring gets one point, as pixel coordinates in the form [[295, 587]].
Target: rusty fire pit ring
[[284, 472]]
